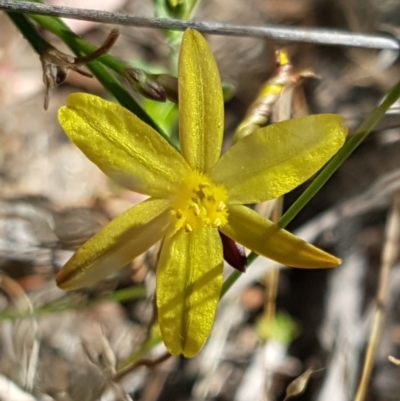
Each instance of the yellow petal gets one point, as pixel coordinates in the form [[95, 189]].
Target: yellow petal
[[201, 106], [116, 244], [189, 280], [123, 146], [273, 160], [267, 239]]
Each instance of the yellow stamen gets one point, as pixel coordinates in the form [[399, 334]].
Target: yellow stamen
[[196, 210], [199, 202]]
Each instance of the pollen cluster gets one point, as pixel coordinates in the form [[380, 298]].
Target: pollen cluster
[[199, 202]]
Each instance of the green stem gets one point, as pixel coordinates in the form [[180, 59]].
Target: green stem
[[110, 83], [62, 305], [30, 33], [80, 47], [362, 132], [330, 168], [60, 29]]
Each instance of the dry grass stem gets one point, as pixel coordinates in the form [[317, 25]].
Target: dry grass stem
[[389, 255]]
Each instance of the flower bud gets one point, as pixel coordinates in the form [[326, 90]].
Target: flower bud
[[145, 84]]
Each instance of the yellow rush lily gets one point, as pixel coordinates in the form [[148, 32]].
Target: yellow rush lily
[[193, 194]]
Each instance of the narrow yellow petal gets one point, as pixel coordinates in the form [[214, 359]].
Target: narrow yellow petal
[[189, 280], [267, 239], [116, 244], [201, 106], [273, 160], [124, 147]]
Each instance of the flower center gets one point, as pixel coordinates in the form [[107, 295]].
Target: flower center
[[199, 202]]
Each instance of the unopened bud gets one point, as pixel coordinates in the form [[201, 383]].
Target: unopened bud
[[234, 253], [170, 86], [182, 9], [145, 84]]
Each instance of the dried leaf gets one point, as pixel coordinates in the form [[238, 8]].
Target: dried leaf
[[298, 385], [25, 342], [394, 360], [55, 64]]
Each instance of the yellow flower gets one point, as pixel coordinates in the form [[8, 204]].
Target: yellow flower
[[193, 194]]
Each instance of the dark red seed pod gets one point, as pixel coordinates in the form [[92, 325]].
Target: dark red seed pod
[[233, 253]]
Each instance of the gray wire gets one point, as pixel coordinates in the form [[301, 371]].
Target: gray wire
[[277, 32]]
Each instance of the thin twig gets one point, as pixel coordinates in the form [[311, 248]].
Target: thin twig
[[389, 255], [149, 363], [277, 32], [272, 277]]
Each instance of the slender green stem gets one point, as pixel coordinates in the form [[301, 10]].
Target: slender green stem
[[64, 304], [153, 339], [230, 280], [80, 47], [362, 132], [110, 83], [30, 33], [330, 168], [57, 26], [126, 294]]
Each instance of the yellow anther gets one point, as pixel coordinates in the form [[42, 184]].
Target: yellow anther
[[282, 57], [216, 223], [196, 209], [221, 206], [199, 203]]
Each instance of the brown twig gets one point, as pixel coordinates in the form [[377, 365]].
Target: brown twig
[[150, 363], [389, 255]]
